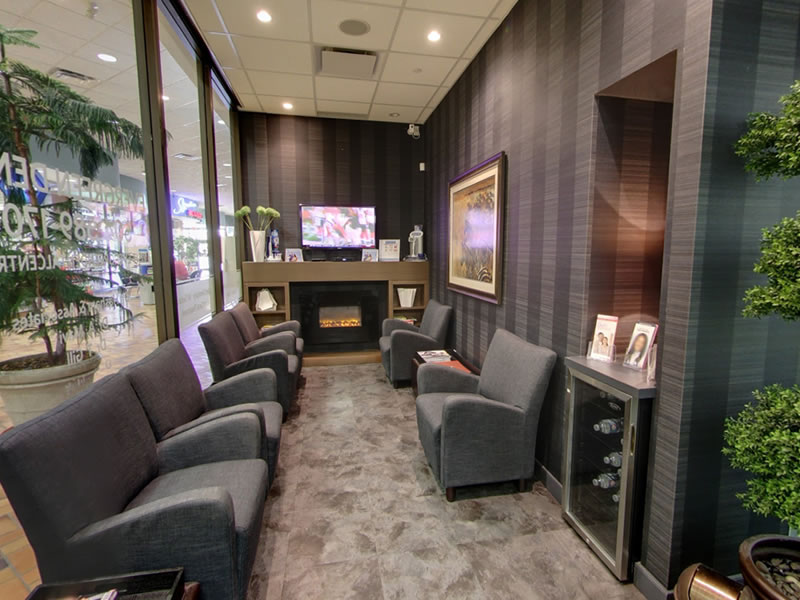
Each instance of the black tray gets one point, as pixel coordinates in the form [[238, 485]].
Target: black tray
[[148, 585]]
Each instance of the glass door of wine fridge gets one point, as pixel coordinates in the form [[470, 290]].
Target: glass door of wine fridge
[[605, 459]]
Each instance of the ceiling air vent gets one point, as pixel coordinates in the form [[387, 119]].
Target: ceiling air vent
[[339, 62], [72, 77], [184, 156]]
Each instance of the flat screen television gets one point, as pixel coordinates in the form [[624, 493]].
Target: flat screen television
[[337, 226]]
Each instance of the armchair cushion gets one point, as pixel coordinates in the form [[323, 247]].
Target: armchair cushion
[[168, 388], [245, 322], [399, 349], [223, 343], [280, 341], [258, 385], [436, 321]]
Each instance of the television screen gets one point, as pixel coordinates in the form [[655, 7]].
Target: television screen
[[337, 226]]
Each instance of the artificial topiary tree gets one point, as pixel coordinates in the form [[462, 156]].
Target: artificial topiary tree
[[764, 438]]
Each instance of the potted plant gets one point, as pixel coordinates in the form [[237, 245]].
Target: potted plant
[[764, 438], [258, 231], [43, 239]]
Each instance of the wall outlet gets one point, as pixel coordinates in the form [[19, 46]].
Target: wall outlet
[[422, 166]]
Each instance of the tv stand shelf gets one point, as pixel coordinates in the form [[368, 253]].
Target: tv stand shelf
[[278, 277]]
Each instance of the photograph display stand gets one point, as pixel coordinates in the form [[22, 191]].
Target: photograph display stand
[[605, 335], [640, 346]]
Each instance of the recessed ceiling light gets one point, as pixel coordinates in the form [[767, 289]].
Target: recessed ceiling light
[[165, 97], [288, 105], [107, 57], [434, 36], [226, 164], [228, 176], [395, 114], [354, 27], [220, 122], [263, 16], [144, 173]]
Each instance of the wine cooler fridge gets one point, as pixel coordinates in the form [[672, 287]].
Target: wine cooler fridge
[[605, 461]]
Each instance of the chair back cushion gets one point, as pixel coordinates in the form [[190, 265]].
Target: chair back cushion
[[435, 321], [223, 343], [245, 322], [77, 464], [168, 388]]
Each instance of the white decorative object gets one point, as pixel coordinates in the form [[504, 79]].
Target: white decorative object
[[258, 244], [265, 300], [406, 296], [415, 250]]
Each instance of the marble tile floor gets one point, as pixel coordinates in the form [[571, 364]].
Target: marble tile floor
[[355, 513]]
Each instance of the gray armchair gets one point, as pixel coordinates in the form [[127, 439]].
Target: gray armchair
[[176, 406], [228, 355], [251, 333], [95, 498], [400, 340], [483, 429]]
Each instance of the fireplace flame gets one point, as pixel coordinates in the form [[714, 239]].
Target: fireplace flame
[[331, 323]]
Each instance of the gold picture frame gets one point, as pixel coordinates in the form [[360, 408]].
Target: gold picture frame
[[475, 248]]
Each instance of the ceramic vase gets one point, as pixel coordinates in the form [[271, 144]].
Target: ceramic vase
[[258, 245]]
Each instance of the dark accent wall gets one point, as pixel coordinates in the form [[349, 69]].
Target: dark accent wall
[[288, 161]]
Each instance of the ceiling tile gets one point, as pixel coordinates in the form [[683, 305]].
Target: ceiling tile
[[289, 18], [118, 41], [481, 38], [281, 84], [302, 106], [354, 90], [383, 2], [250, 102], [438, 97], [336, 106], [456, 31], [239, 80], [424, 115], [49, 37], [503, 8], [476, 8], [111, 12], [415, 68], [223, 50], [384, 112], [90, 51], [456, 72], [327, 14], [62, 19], [404, 94], [273, 55], [205, 15], [93, 68]]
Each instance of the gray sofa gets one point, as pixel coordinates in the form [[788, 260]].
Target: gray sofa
[[251, 333], [228, 355], [401, 340], [478, 430], [95, 496], [176, 405]]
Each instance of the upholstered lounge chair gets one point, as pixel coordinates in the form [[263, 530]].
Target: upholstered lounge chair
[[251, 333], [228, 355], [401, 340], [478, 430], [175, 403], [95, 496]]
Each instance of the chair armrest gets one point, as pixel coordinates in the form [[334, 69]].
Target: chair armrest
[[435, 379], [280, 341], [258, 385], [233, 437], [482, 440], [390, 325], [293, 326], [194, 530], [277, 360]]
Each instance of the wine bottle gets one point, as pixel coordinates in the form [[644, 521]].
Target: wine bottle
[[606, 481], [614, 459], [608, 426]]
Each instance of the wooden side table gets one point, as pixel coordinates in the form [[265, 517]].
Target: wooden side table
[[417, 361]]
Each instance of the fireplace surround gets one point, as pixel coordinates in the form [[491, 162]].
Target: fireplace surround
[[339, 316]]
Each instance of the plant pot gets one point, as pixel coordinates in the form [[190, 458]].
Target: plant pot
[[29, 393], [762, 549], [258, 245]]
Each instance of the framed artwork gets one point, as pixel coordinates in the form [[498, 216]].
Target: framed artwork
[[640, 346], [369, 255], [475, 250], [294, 255], [605, 331]]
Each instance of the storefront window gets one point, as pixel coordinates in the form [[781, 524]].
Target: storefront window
[[191, 248]]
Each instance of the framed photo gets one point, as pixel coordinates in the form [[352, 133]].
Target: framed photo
[[605, 332], [642, 338], [294, 255], [369, 255], [389, 250], [475, 249]]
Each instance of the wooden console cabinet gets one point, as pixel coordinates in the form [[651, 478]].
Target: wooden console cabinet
[[279, 276]]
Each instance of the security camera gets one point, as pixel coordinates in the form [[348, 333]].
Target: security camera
[[413, 131]]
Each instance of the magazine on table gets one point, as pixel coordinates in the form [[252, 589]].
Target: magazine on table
[[435, 356]]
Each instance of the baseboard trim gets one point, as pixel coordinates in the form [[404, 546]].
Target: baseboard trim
[[553, 485], [648, 585]]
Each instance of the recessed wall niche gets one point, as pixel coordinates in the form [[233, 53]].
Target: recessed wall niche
[[632, 150]]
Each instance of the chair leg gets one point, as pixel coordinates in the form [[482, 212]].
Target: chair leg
[[450, 493], [523, 485], [396, 384]]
